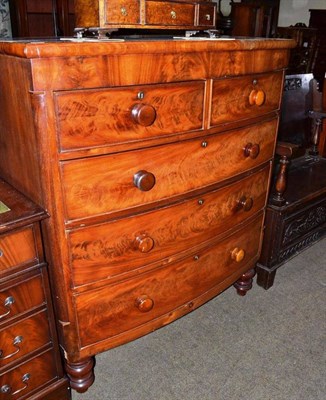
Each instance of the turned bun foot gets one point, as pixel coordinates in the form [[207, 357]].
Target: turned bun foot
[[81, 374], [244, 283]]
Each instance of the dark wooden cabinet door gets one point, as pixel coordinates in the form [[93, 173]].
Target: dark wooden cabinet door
[[34, 18]]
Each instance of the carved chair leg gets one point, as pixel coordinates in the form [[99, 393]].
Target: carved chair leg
[[81, 374], [281, 181], [244, 283]]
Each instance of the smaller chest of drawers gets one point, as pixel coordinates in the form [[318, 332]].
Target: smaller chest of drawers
[[30, 363]]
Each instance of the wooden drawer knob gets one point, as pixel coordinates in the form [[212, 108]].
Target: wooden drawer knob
[[143, 114], [252, 150], [144, 180], [245, 203], [144, 303], [257, 98], [144, 243], [237, 254]]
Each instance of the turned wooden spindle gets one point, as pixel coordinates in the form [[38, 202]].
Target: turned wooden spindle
[[244, 283]]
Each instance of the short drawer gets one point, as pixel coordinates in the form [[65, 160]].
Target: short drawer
[[169, 13], [103, 117], [27, 377], [245, 97], [24, 337], [106, 184], [20, 297], [122, 13], [110, 249], [206, 14], [17, 248], [119, 308]]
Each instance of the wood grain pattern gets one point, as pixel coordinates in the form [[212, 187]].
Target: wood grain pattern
[[111, 311], [35, 334], [230, 98], [98, 253], [102, 117], [41, 369], [17, 249], [103, 185], [27, 295], [119, 12], [169, 13]]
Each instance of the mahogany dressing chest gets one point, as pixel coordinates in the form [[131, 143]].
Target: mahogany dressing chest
[[153, 160]]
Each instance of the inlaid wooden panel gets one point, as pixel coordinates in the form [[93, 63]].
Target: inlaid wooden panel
[[116, 309], [18, 298], [17, 248], [169, 13], [103, 251], [24, 337], [105, 184], [29, 376], [245, 97], [108, 116]]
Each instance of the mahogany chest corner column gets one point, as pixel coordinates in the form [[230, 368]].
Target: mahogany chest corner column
[[153, 160]]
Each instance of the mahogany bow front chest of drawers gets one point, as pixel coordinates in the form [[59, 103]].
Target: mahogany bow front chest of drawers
[[153, 160]]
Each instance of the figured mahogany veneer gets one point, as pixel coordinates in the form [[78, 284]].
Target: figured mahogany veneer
[[153, 160]]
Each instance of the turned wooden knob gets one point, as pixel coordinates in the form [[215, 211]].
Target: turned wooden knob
[[257, 97], [144, 243], [143, 114], [144, 303], [237, 254], [246, 203], [252, 150], [144, 180]]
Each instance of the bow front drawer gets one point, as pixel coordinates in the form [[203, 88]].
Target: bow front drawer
[[245, 97], [117, 309], [103, 117], [103, 251], [106, 184]]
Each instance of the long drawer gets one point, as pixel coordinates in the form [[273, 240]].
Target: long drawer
[[245, 97], [103, 251], [91, 118], [105, 184], [119, 308]]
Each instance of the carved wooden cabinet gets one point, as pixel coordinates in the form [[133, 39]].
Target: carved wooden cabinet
[[153, 159], [30, 364], [103, 15]]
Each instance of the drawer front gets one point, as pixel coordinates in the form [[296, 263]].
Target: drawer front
[[17, 249], [24, 337], [206, 14], [28, 377], [124, 13], [91, 118], [21, 297], [169, 13], [118, 308], [106, 250], [105, 184], [245, 97]]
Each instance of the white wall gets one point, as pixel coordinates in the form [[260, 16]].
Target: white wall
[[293, 11]]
